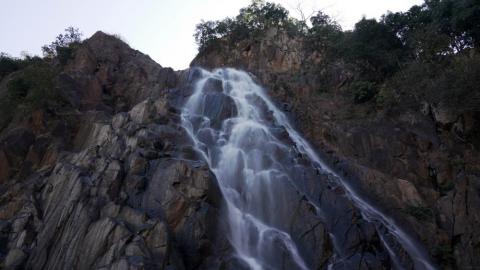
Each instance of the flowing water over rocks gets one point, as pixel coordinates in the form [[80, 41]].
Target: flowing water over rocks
[[264, 167], [151, 168]]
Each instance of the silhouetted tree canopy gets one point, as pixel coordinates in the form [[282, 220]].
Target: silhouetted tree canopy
[[437, 40], [63, 45], [252, 21]]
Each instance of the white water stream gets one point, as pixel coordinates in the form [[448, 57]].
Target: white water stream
[[252, 149]]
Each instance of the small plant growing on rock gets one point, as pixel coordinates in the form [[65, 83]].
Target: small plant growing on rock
[[363, 91], [444, 255], [444, 188], [421, 213], [457, 162]]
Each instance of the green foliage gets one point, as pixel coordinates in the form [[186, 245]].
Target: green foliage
[[208, 33], [466, 19], [10, 64], [261, 15], [456, 85], [446, 187], [18, 89], [437, 28], [31, 84], [64, 45], [374, 49], [325, 35], [31, 88], [363, 91], [457, 162], [385, 97], [444, 255], [251, 22], [41, 90], [7, 65], [453, 82], [426, 32], [421, 213]]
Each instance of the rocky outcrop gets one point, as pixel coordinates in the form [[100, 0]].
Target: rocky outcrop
[[114, 182], [415, 161], [275, 51], [107, 74], [122, 200]]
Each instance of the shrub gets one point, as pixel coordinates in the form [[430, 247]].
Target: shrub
[[64, 45], [421, 213], [374, 49], [385, 97], [18, 89], [453, 83], [444, 254], [363, 91], [31, 88], [251, 22], [42, 92], [458, 162], [324, 36], [7, 65], [446, 187]]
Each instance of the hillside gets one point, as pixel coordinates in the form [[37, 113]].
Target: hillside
[[104, 165]]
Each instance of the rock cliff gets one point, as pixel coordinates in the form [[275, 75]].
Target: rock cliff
[[416, 161], [112, 181]]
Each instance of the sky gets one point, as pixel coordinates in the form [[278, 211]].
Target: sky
[[163, 29]]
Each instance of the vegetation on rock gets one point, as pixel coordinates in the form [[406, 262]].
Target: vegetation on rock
[[421, 213], [395, 102], [31, 81], [251, 22], [433, 42], [64, 45]]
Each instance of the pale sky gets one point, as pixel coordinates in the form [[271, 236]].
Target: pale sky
[[162, 29]]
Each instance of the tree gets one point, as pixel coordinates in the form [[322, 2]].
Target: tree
[[260, 15], [63, 45], [251, 22], [325, 35], [205, 33], [7, 65], [374, 48]]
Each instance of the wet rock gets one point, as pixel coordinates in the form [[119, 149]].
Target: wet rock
[[213, 85], [116, 184], [95, 241], [138, 165], [15, 259], [142, 112], [398, 156], [80, 203], [220, 107]]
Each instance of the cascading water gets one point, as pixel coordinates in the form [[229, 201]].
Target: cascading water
[[263, 165]]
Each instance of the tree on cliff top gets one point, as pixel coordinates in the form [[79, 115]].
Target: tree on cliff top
[[63, 45], [251, 22]]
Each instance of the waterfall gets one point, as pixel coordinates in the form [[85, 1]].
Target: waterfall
[[263, 165]]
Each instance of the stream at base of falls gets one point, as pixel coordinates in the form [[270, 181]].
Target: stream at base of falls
[[281, 200]]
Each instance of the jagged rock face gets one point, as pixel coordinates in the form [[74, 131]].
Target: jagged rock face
[[107, 73], [405, 159], [116, 184], [114, 181], [275, 51]]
